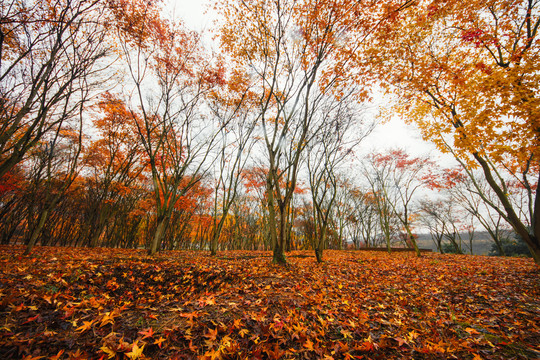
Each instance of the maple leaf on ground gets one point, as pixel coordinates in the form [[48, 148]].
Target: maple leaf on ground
[[147, 333], [85, 326], [212, 334], [211, 300], [110, 353], [135, 352], [108, 318], [401, 341], [237, 323], [213, 354], [472, 331], [30, 319], [309, 345], [159, 341], [207, 301], [57, 356]]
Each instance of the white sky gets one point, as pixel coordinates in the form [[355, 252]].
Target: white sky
[[192, 12]]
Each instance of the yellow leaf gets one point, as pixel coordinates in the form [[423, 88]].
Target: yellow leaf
[[210, 300], [135, 352], [110, 353], [213, 354]]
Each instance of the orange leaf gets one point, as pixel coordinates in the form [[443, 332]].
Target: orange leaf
[[85, 326], [159, 341], [148, 333], [472, 331], [309, 345]]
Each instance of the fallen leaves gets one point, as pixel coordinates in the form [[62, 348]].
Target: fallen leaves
[[135, 352], [87, 325], [189, 305], [147, 333]]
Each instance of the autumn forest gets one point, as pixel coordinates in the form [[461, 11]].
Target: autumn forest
[[164, 197]]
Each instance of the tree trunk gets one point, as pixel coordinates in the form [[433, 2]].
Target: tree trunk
[[277, 241], [279, 249], [160, 231], [534, 248], [37, 230], [532, 240], [215, 235], [413, 241], [387, 238], [319, 254], [320, 240], [97, 235]]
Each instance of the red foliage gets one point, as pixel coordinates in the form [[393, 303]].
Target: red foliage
[[112, 303]]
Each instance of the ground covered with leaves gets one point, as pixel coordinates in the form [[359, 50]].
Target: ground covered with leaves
[[74, 303]]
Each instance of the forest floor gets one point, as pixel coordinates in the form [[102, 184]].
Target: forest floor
[[78, 303]]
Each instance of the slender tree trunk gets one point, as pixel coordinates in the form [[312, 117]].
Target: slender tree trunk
[[413, 241], [97, 234], [216, 232], [277, 241], [160, 231], [319, 254], [319, 248], [279, 249], [272, 229], [37, 230], [387, 238], [498, 243], [532, 239]]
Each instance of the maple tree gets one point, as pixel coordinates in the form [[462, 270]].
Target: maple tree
[[290, 48], [325, 154], [50, 56], [170, 76], [360, 215], [114, 160], [386, 216], [398, 176], [466, 74], [56, 167], [462, 190], [446, 221], [254, 181], [231, 107]]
